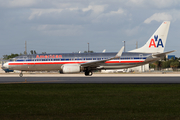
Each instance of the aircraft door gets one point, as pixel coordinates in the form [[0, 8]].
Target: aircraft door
[[140, 56], [24, 66], [25, 59]]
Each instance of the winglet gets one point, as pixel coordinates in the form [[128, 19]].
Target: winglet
[[119, 53]]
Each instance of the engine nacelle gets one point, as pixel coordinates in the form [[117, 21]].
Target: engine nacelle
[[70, 68]]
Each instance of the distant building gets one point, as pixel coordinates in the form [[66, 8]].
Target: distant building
[[170, 57], [142, 68]]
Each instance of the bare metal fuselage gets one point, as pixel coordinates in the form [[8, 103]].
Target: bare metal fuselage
[[32, 63]]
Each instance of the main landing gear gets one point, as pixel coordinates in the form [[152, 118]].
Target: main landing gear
[[20, 74], [88, 73]]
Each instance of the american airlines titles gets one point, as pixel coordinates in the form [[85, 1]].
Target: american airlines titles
[[48, 56]]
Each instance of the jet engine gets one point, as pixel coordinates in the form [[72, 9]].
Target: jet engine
[[70, 68]]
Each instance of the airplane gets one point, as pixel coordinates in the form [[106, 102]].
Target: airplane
[[68, 63]]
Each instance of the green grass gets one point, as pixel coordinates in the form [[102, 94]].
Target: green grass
[[89, 101]]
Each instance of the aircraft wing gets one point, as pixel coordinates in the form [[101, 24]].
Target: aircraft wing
[[99, 62], [162, 54]]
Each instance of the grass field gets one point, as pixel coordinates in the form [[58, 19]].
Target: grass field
[[89, 101]]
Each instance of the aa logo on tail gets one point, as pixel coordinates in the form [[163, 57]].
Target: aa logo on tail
[[154, 41]]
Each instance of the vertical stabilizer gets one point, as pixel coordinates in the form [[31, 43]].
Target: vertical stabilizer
[[157, 42]]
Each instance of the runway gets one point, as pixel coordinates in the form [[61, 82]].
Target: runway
[[97, 78]]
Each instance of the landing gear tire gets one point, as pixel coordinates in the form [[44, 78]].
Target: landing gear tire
[[21, 74], [88, 73]]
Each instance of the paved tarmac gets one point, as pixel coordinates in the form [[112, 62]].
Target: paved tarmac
[[96, 78]]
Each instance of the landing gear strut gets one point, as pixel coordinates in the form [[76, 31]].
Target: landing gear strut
[[20, 74], [88, 73]]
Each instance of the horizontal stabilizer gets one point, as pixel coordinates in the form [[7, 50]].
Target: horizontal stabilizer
[[163, 54]]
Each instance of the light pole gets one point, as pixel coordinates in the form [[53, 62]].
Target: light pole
[[124, 45], [88, 47], [25, 48], [136, 44]]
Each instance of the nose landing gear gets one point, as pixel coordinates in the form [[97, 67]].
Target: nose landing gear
[[20, 74]]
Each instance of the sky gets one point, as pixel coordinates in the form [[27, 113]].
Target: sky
[[66, 26]]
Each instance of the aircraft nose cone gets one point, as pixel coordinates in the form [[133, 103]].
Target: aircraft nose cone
[[6, 65]]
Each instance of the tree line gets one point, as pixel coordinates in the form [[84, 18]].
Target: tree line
[[166, 63], [6, 57]]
